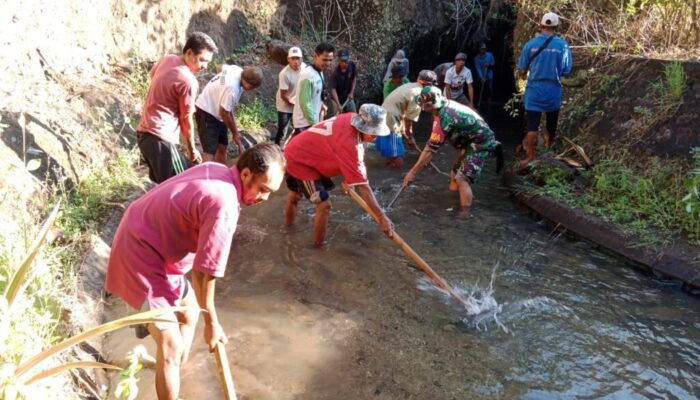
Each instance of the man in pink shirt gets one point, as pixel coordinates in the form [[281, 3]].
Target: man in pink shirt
[[169, 107], [182, 225], [330, 148]]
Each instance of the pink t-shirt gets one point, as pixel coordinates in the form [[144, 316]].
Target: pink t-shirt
[[327, 149], [185, 223], [170, 97]]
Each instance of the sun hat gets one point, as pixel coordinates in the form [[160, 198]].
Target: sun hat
[[371, 119], [294, 52], [550, 19], [431, 97]]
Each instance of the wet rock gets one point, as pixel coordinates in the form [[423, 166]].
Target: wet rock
[[449, 328], [277, 51]]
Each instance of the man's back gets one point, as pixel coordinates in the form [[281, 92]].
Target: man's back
[[552, 62], [223, 90], [399, 102]]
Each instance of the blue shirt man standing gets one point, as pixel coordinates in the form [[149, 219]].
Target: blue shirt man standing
[[484, 62], [543, 61]]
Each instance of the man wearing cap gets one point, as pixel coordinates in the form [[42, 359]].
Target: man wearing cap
[[215, 107], [286, 92], [484, 62], [342, 83], [328, 149], [169, 107], [183, 225], [401, 110], [543, 61], [467, 131], [456, 78], [311, 89]]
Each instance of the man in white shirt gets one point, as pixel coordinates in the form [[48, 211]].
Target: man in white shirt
[[310, 89], [215, 107], [456, 78], [288, 78]]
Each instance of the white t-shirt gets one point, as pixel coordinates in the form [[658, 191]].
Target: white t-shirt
[[287, 81], [308, 74], [223, 90], [457, 81]]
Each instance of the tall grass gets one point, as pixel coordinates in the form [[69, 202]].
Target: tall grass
[[36, 315], [254, 115]]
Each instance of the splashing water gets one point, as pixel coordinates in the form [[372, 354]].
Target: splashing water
[[482, 307]]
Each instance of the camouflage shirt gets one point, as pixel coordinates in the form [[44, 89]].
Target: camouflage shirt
[[462, 127]]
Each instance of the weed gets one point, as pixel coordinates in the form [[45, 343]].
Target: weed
[[139, 78], [691, 200], [676, 81], [255, 114]]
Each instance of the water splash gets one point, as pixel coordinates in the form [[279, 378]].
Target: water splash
[[481, 307]]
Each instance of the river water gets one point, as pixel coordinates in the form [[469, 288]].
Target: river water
[[550, 317]]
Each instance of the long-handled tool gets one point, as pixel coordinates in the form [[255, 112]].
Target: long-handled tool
[[432, 164], [408, 250], [224, 372], [396, 196]]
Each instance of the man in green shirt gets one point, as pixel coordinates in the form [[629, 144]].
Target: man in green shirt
[[311, 88]]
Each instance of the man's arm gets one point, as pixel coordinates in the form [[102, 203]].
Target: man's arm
[[336, 100], [408, 132], [204, 287], [230, 122], [470, 89], [385, 223], [351, 95], [284, 94], [186, 127], [423, 160]]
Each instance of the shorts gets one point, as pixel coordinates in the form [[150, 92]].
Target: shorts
[[213, 132], [163, 158], [533, 121], [390, 145], [471, 166], [315, 191], [157, 303]]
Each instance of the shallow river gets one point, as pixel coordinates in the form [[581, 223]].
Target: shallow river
[[355, 320]]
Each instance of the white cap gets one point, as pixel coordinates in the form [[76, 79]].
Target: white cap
[[550, 19], [294, 52]]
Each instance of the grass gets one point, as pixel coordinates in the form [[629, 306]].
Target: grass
[[649, 201], [36, 321], [255, 115]]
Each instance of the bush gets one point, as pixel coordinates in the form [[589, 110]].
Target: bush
[[254, 115]]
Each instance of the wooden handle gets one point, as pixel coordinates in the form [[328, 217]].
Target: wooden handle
[[224, 372], [396, 196], [408, 250]]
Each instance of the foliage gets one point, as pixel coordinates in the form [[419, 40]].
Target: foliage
[[128, 388], [138, 78], [255, 114], [692, 199], [676, 81]]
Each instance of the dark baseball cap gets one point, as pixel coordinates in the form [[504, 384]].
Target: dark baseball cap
[[344, 55]]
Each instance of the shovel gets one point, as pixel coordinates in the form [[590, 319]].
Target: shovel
[[441, 283], [224, 372]]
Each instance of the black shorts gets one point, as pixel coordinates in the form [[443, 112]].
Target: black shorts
[[308, 188], [164, 159], [212, 133], [533, 121]]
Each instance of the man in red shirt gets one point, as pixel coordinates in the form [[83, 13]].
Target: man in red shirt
[[331, 148], [169, 107], [182, 225]]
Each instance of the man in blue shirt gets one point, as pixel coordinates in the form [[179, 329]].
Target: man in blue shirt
[[547, 58], [484, 62]]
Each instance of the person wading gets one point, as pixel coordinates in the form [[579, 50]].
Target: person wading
[[467, 131], [456, 78], [331, 148], [186, 224]]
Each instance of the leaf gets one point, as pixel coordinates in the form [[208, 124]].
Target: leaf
[[14, 288], [146, 317], [65, 367], [33, 164]]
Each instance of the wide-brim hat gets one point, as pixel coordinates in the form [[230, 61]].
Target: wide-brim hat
[[371, 119]]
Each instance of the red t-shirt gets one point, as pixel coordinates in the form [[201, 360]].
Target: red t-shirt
[[185, 223], [170, 97], [330, 148]]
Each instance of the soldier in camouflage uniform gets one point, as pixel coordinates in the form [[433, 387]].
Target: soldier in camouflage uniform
[[467, 131]]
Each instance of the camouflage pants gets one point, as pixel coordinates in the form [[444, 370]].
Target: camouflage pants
[[471, 166]]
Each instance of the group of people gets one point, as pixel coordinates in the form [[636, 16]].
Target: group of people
[[187, 221]]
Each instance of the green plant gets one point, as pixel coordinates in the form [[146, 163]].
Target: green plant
[[128, 388], [138, 77], [691, 200], [676, 81], [254, 114]]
